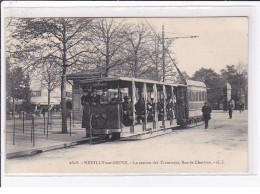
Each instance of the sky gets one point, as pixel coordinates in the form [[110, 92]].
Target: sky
[[222, 41]]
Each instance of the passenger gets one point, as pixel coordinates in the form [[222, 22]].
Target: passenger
[[115, 99], [104, 97], [85, 101], [160, 107], [96, 98], [140, 110], [169, 108], [127, 111], [206, 110], [150, 110], [86, 98]]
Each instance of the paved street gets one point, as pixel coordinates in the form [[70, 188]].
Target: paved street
[[221, 148]]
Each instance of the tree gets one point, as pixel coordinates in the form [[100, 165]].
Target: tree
[[137, 48], [18, 87], [237, 78], [107, 39], [64, 41], [50, 73]]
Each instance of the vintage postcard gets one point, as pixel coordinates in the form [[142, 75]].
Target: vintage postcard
[[126, 95]]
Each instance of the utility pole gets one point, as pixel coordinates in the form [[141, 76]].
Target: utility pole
[[163, 53]]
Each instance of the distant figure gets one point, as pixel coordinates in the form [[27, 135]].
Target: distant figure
[[206, 110], [241, 107], [230, 109]]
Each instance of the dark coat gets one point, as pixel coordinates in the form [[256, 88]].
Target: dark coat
[[140, 107], [206, 110]]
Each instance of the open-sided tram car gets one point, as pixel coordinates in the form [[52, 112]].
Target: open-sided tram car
[[107, 119]]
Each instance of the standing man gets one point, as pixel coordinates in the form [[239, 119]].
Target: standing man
[[206, 110], [230, 109], [127, 111], [85, 101]]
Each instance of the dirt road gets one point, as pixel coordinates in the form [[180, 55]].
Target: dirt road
[[222, 148]]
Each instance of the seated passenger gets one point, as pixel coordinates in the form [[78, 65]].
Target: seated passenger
[[160, 107], [140, 110], [127, 111], [86, 98], [95, 98], [150, 110], [169, 109], [104, 97], [115, 99]]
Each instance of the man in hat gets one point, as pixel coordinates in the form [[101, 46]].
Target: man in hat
[[169, 108], [150, 110], [206, 110], [140, 109], [127, 111], [86, 99], [104, 97], [95, 98], [115, 99], [230, 109]]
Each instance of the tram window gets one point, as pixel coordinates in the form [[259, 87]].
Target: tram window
[[197, 96], [200, 97]]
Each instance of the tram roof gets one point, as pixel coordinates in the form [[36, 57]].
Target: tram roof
[[85, 79], [195, 83]]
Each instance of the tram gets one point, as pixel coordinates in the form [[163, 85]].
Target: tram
[[135, 106]]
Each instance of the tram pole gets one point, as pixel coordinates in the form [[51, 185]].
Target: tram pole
[[163, 53], [14, 132], [70, 121], [23, 121]]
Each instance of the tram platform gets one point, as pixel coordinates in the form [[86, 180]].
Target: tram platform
[[139, 132]]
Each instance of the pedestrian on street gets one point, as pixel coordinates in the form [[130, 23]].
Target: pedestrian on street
[[230, 109], [206, 110]]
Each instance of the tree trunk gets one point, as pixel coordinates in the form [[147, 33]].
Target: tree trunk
[[13, 107], [63, 101], [49, 105]]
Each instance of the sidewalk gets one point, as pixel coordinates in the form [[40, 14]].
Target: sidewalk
[[23, 144]]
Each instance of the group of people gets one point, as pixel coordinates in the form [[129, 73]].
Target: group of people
[[140, 110], [206, 110], [93, 98]]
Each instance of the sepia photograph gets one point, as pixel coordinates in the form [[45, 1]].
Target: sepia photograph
[[126, 95]]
